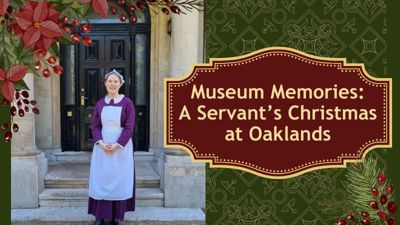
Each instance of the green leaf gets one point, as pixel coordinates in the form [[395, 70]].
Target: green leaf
[[21, 85], [76, 5], [84, 10], [66, 39], [54, 50], [69, 12], [10, 49], [67, 1]]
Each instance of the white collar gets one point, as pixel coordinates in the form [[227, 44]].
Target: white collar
[[116, 100]]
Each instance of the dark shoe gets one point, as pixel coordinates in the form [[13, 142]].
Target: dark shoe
[[114, 222], [99, 222]]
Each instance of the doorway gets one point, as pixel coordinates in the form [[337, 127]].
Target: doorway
[[123, 47]]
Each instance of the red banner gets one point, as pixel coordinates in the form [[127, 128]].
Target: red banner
[[278, 112]]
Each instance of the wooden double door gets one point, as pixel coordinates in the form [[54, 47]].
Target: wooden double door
[[83, 84]]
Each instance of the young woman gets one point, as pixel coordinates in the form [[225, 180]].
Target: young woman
[[112, 176]]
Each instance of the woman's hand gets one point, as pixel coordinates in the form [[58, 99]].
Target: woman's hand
[[103, 145], [111, 148]]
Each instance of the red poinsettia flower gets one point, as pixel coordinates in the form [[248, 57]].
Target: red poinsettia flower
[[13, 74], [38, 25], [3, 6]]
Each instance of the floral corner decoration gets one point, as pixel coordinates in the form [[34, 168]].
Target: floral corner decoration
[[30, 33]]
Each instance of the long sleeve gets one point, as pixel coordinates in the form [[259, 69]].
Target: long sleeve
[[128, 125], [96, 125]]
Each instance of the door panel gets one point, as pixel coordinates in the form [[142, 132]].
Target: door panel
[[128, 53]]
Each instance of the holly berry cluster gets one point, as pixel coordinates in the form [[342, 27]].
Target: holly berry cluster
[[21, 104], [384, 209], [47, 63], [85, 28], [165, 5], [7, 18]]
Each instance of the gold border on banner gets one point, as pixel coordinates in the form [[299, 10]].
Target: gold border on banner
[[340, 63]]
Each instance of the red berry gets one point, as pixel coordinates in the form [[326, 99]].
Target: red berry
[[168, 1], [46, 73], [113, 10], [36, 110], [21, 113], [366, 222], [382, 215], [8, 136], [9, 29], [391, 221], [13, 111], [122, 17], [374, 192], [165, 11], [341, 222], [392, 206], [67, 29], [19, 104], [26, 109], [75, 22], [350, 217], [175, 9], [381, 178], [365, 214], [87, 41], [121, 2], [131, 8], [76, 38], [5, 102], [16, 95], [373, 205], [65, 19], [140, 4], [26, 101], [37, 66], [389, 189], [9, 9], [25, 94], [133, 19], [3, 22], [52, 59], [41, 53], [4, 126], [86, 28], [15, 127], [33, 102], [383, 199], [58, 69]]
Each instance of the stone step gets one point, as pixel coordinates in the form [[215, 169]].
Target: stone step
[[76, 175], [85, 156], [79, 216], [67, 197]]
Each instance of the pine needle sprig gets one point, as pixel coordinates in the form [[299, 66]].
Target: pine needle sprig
[[361, 178]]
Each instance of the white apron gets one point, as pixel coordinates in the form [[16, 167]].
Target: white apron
[[111, 175]]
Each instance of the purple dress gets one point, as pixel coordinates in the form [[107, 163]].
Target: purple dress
[[112, 176]]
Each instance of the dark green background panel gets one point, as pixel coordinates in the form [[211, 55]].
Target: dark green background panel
[[5, 170], [361, 31]]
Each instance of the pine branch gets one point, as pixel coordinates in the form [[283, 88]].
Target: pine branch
[[362, 177]]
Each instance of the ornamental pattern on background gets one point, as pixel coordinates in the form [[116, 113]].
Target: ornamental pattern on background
[[352, 29]]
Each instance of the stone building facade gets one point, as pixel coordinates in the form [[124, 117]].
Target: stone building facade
[[39, 160]]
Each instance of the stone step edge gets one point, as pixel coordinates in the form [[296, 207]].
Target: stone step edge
[[85, 156], [79, 214], [141, 194]]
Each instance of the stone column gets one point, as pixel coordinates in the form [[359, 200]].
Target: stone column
[[48, 122], [28, 164], [183, 181]]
